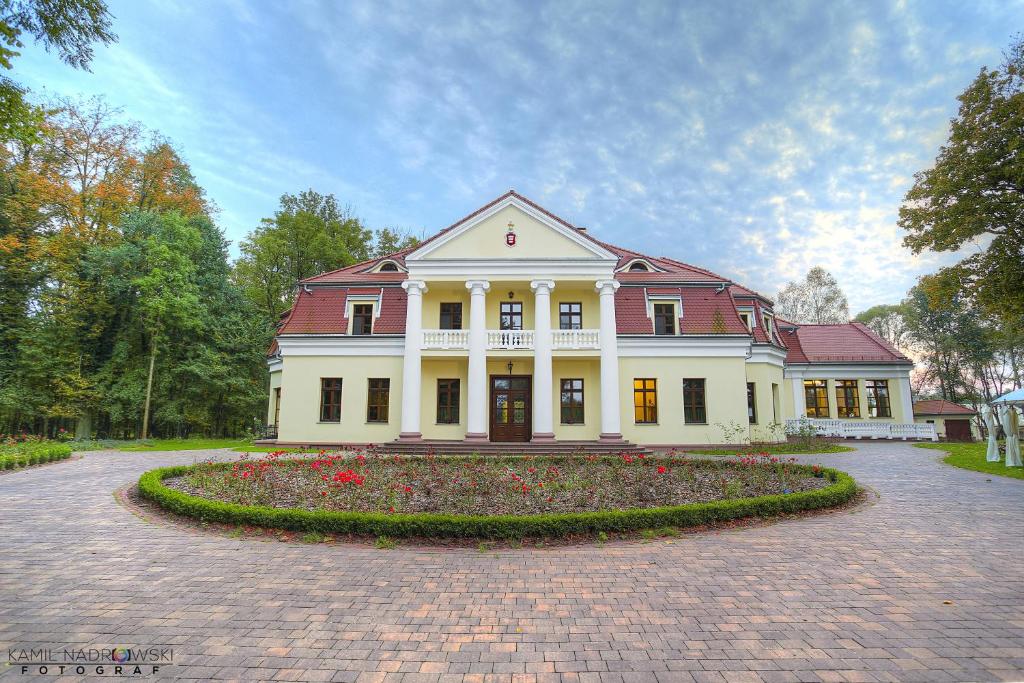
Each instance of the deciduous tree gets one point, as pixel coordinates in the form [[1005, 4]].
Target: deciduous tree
[[974, 195], [815, 299]]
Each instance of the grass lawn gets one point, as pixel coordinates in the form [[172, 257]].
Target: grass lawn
[[971, 456], [775, 449]]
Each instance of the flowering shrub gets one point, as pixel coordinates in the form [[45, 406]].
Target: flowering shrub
[[488, 498], [387, 484], [23, 451]]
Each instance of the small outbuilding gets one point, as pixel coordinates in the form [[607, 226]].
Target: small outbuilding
[[953, 422]]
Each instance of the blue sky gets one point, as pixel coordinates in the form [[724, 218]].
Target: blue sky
[[756, 139]]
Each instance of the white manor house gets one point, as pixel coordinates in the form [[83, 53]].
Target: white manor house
[[512, 325]]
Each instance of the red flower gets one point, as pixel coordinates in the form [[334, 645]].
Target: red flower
[[662, 469]]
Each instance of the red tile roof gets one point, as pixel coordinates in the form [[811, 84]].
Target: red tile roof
[[392, 312], [940, 407], [321, 310], [705, 309], [843, 343], [631, 311]]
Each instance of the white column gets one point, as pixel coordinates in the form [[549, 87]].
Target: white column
[[610, 408], [476, 393], [799, 402], [411, 365], [906, 399], [543, 397]]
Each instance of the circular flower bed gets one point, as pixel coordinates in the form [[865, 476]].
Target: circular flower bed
[[491, 497]]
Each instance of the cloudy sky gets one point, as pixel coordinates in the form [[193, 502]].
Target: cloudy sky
[[756, 139]]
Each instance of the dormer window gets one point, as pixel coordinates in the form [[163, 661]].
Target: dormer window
[[639, 266], [664, 319], [768, 319], [747, 316], [389, 268], [362, 319]]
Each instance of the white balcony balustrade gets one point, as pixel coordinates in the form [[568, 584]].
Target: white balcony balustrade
[[510, 339], [843, 429], [561, 340], [575, 339], [446, 339]]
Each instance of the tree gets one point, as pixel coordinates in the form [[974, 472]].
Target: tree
[[70, 27], [308, 235], [888, 321], [388, 241], [817, 299], [974, 194]]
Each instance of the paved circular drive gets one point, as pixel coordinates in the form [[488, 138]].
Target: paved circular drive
[[927, 584]]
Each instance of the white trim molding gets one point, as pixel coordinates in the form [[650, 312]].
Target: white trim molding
[[765, 353], [511, 269], [275, 364], [651, 268], [848, 370], [713, 346], [341, 345]]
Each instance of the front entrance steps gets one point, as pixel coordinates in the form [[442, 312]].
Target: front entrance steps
[[457, 447]]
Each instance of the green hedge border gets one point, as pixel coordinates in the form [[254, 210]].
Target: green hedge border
[[431, 525], [38, 455]]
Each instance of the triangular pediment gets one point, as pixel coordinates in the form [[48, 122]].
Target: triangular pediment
[[511, 228]]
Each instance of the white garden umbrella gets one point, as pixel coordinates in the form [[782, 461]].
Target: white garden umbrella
[[991, 423], [1011, 425]]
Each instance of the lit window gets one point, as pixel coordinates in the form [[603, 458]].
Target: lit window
[[847, 398], [645, 401], [816, 397]]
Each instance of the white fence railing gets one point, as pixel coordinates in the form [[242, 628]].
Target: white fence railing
[[510, 339], [446, 339], [576, 339], [844, 429]]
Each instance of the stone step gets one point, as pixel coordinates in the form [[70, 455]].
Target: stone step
[[504, 448]]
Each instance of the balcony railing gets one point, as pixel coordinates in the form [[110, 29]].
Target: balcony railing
[[575, 339], [510, 339], [843, 429], [446, 339], [458, 340]]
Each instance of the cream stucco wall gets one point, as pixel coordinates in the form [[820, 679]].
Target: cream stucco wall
[[300, 399], [533, 240], [725, 397], [589, 370], [770, 424], [433, 370]]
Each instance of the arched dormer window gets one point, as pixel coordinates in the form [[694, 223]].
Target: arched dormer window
[[639, 266], [389, 268]]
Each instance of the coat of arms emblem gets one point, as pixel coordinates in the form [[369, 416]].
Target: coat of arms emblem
[[510, 235]]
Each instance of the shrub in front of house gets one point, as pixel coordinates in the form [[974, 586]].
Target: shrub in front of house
[[16, 452], [508, 498]]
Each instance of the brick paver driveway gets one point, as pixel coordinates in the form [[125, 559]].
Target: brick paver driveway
[[924, 585]]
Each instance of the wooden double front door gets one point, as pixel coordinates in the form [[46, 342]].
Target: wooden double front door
[[510, 407]]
